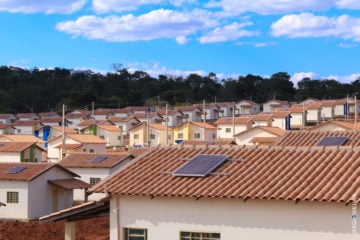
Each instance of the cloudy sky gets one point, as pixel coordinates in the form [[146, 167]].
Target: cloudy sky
[[317, 39]]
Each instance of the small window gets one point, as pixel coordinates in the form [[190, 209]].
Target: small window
[[94, 181], [152, 136], [18, 130], [180, 135], [136, 136], [102, 137], [197, 135], [228, 130], [135, 234], [91, 150], [214, 136], [12, 197], [199, 236]]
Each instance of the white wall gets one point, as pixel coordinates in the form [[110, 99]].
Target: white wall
[[14, 210], [279, 122], [9, 156], [222, 134], [244, 139], [234, 219]]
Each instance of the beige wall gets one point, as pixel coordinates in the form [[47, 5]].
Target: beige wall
[[244, 138], [232, 218]]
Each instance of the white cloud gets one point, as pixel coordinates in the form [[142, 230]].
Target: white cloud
[[46, 6], [309, 25], [297, 77], [227, 33], [271, 6], [347, 45], [348, 4]]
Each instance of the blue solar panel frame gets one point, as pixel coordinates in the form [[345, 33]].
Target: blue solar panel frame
[[332, 141], [16, 169], [99, 159], [200, 165]]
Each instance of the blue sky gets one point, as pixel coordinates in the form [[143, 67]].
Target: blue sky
[[317, 39]]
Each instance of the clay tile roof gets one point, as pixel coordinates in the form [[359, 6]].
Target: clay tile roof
[[71, 183], [262, 117], [109, 128], [264, 139], [67, 129], [280, 114], [237, 120], [207, 143], [48, 114], [22, 138], [4, 125], [77, 115], [102, 111], [158, 126], [328, 103], [86, 138], [31, 171], [345, 125], [25, 122], [316, 105], [253, 173], [82, 160], [297, 109], [201, 125], [187, 108], [51, 119], [89, 122], [122, 119], [340, 101], [15, 146]]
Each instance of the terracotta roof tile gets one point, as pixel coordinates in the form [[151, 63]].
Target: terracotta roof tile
[[86, 138], [22, 138], [264, 139], [82, 160], [237, 120], [67, 129], [71, 183], [15, 146], [25, 122], [110, 128], [316, 174], [4, 125], [202, 125]]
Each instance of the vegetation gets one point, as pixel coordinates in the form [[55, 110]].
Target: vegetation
[[46, 90]]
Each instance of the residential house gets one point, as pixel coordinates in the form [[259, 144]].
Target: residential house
[[102, 114], [191, 113], [121, 112], [274, 105], [21, 138], [298, 116], [6, 129], [56, 131], [52, 121], [328, 109], [281, 119], [227, 109], [30, 127], [27, 116], [341, 108], [138, 109], [31, 190], [262, 119], [21, 152], [314, 113], [309, 101], [210, 110], [73, 119], [239, 193], [194, 131], [109, 133], [150, 117], [175, 117], [227, 127], [88, 123], [332, 125], [48, 115], [142, 136], [247, 107], [59, 147], [259, 135], [93, 168], [6, 118], [125, 123]]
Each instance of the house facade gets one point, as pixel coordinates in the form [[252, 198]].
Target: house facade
[[227, 127], [191, 113], [247, 107], [195, 131]]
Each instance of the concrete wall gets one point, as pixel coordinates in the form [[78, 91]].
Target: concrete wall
[[164, 218]]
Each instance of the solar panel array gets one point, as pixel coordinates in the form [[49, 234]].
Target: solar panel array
[[16, 169], [332, 141], [99, 159], [200, 166]]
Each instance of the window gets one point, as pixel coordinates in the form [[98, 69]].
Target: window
[[102, 137], [91, 150], [12, 197], [136, 136], [135, 234], [214, 136], [18, 130], [199, 236], [180, 135], [152, 136], [94, 181], [228, 130], [196, 135]]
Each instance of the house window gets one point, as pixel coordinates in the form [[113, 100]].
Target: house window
[[228, 130], [94, 181], [180, 135], [91, 150], [199, 236], [136, 136], [102, 137], [135, 234], [152, 136], [197, 135], [12, 197], [214, 136], [18, 130]]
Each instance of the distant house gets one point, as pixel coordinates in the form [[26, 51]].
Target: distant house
[[228, 127], [27, 116], [74, 118], [227, 109], [21, 152], [7, 118], [191, 113], [211, 110], [93, 168], [274, 105], [281, 119], [45, 115], [247, 107], [121, 112], [314, 113], [109, 133], [259, 135], [341, 108], [91, 123], [175, 117], [29, 127], [31, 190], [298, 116], [151, 117], [6, 129], [102, 114], [56, 131], [125, 123], [194, 131], [51, 121], [328, 109], [262, 119], [74, 143], [247, 193]]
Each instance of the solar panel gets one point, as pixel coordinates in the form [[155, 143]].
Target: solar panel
[[332, 141], [200, 166], [99, 159], [16, 169]]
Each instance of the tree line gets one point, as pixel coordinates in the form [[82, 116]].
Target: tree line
[[35, 90]]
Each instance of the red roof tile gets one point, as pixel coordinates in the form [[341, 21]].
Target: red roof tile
[[82, 160]]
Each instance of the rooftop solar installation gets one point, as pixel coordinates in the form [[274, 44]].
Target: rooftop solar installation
[[332, 141], [200, 166], [99, 159], [16, 169]]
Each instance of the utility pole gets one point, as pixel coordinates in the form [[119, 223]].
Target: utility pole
[[204, 109], [63, 134], [166, 125], [233, 120]]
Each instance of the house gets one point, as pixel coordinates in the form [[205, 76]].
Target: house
[[6, 129], [174, 117], [21, 138], [109, 133], [194, 131], [74, 118], [247, 107], [21, 152], [332, 125], [93, 168], [328, 109], [59, 147], [56, 131], [227, 109], [6, 118], [29, 127], [274, 105], [309, 101], [155, 134], [239, 193], [43, 115], [211, 110], [150, 117], [27, 116], [298, 116], [313, 115], [341, 108], [262, 119], [259, 135], [51, 121], [31, 190], [191, 113], [91, 123], [281, 119], [125, 123], [102, 114], [121, 112], [227, 127]]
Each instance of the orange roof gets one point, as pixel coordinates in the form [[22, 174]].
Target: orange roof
[[207, 143], [264, 139], [201, 125], [328, 103], [22, 138], [280, 114], [274, 130], [110, 128], [26, 122], [84, 138], [312, 174], [316, 105], [237, 120], [346, 125], [83, 160], [15, 146], [67, 129], [262, 117]]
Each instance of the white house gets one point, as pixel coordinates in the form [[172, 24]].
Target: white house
[[31, 190], [102, 114], [74, 118], [314, 112], [227, 127], [93, 168], [259, 135], [6, 129], [227, 109], [239, 193], [274, 105], [341, 108], [298, 116], [211, 110], [262, 119], [191, 113], [6, 118], [74, 143], [28, 127], [175, 117], [281, 119], [27, 116], [328, 109], [21, 152], [247, 107]]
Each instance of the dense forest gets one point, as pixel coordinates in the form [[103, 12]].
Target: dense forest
[[35, 90]]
